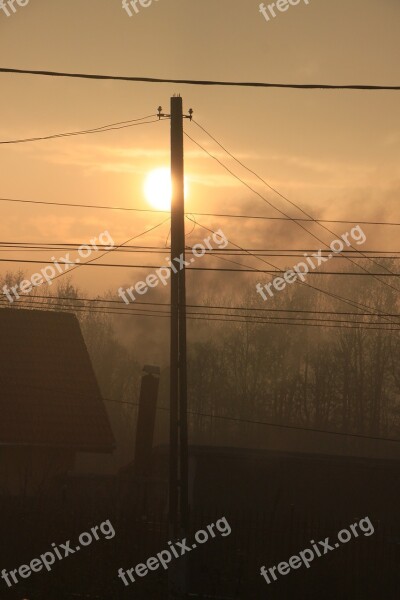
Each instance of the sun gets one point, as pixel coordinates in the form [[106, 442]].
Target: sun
[[158, 188]]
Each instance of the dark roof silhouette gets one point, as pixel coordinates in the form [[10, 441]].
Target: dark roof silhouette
[[49, 395]]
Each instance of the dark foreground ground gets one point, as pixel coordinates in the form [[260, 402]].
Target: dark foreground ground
[[225, 567]]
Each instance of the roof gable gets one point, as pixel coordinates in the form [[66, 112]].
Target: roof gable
[[48, 390]]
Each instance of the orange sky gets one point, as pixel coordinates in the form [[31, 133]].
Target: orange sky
[[336, 153]]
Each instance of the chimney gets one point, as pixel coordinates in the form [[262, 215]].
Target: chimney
[[146, 420]]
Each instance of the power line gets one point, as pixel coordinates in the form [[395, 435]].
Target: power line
[[92, 260], [269, 424], [210, 306], [230, 269], [320, 86], [349, 302], [102, 129], [294, 204], [219, 269], [294, 252], [94, 206], [234, 319], [166, 250], [131, 309], [281, 211], [200, 214], [305, 220], [223, 417], [355, 304]]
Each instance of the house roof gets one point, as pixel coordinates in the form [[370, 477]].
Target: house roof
[[49, 395]]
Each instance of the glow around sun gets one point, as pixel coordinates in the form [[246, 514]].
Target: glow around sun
[[158, 188]]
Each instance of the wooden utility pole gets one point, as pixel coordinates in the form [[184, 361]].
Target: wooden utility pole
[[177, 216], [178, 456], [178, 449]]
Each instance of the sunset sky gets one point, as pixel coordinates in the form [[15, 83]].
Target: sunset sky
[[336, 153]]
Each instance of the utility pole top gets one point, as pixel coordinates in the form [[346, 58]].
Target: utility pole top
[[160, 114]]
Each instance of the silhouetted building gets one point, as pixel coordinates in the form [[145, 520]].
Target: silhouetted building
[[50, 402], [279, 484]]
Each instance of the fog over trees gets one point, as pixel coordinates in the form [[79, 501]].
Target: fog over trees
[[279, 367]]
